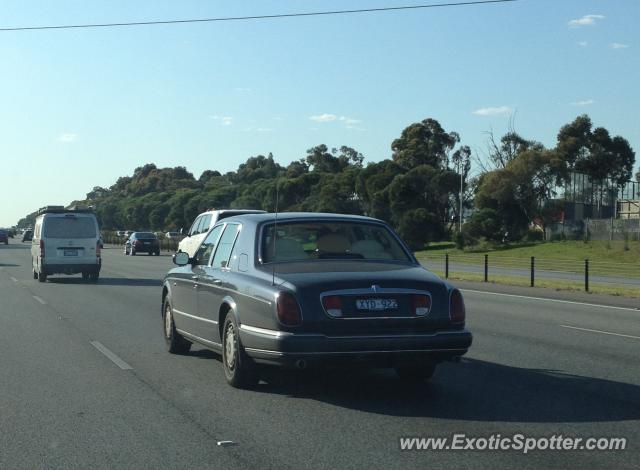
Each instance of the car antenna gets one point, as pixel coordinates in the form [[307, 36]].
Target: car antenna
[[275, 235]]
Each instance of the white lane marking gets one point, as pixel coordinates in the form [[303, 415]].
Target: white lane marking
[[226, 443], [552, 300], [14, 279], [111, 356], [39, 300], [600, 331]]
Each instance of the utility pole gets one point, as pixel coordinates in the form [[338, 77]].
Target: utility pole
[[461, 191]]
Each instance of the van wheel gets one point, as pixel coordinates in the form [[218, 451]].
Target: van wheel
[[42, 277], [133, 252], [86, 276]]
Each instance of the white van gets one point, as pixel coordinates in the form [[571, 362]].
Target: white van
[[66, 242], [203, 223]]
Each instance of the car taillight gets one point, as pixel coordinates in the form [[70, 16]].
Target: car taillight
[[421, 304], [288, 309], [332, 305], [456, 307], [41, 248]]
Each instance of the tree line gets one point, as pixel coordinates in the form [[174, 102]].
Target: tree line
[[417, 190]]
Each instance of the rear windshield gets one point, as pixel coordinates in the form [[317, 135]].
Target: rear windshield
[[69, 226], [145, 235], [303, 241]]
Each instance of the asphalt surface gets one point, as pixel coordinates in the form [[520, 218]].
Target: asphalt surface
[[65, 404]]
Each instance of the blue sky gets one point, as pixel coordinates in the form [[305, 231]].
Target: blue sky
[[79, 108]]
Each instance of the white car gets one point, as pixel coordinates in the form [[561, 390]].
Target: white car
[[203, 223]]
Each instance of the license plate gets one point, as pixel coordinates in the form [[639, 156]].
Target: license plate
[[70, 252], [376, 304]]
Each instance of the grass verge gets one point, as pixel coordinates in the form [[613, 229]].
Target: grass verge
[[548, 283]]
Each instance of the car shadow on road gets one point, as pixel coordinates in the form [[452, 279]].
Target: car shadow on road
[[108, 281], [8, 265], [472, 391]]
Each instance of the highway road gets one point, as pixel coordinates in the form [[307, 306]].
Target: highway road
[[85, 382]]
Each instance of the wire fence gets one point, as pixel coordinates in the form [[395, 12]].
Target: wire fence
[[534, 268]]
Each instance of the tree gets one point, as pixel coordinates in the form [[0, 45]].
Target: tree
[[424, 143], [594, 152]]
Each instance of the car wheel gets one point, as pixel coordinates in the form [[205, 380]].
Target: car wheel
[[158, 253], [149, 253], [133, 252], [42, 277], [86, 276], [93, 277], [175, 342], [416, 372], [239, 369]]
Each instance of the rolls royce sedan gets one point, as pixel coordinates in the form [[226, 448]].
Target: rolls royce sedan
[[301, 290]]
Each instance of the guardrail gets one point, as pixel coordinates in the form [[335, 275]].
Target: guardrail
[[585, 269]]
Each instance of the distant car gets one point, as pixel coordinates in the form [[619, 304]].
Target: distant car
[[27, 236], [142, 242], [172, 235], [203, 223], [329, 288], [120, 233], [4, 237]]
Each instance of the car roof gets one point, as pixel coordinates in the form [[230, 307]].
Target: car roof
[[286, 216]]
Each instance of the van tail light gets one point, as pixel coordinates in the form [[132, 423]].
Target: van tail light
[[421, 304], [41, 248], [332, 305], [456, 307], [98, 248], [288, 309]]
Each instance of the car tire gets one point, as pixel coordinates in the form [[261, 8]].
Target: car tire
[[86, 276], [174, 341], [416, 372], [239, 370], [42, 276], [149, 253], [93, 277], [157, 252], [132, 252]]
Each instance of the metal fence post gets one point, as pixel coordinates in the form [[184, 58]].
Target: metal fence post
[[586, 275], [486, 268], [446, 265], [533, 263]]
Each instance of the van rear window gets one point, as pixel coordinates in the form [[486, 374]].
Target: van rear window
[[69, 227]]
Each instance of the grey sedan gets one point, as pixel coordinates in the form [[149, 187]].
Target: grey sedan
[[304, 289]]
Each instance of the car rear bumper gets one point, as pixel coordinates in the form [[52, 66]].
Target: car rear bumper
[[71, 268], [287, 349]]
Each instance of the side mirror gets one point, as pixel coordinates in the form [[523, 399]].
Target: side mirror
[[181, 258]]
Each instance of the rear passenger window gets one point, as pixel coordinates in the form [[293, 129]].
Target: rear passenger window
[[225, 246], [69, 227]]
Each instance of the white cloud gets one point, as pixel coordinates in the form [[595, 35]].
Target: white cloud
[[224, 120], [324, 117], [349, 121], [583, 43], [67, 138], [582, 103], [617, 45], [586, 20], [493, 111]]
